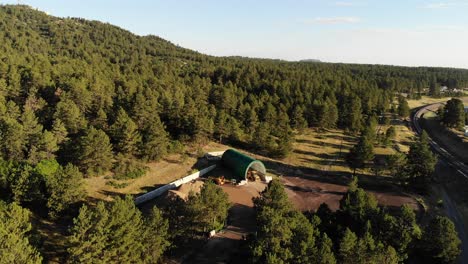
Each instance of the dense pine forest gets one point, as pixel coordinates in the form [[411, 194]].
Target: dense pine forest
[[80, 98]]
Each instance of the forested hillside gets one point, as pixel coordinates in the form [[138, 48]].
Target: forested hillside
[[66, 82], [82, 98]]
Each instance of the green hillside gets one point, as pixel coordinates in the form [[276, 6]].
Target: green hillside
[[82, 98]]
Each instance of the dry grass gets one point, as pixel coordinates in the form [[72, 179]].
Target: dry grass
[[425, 100], [160, 172], [326, 150], [455, 143]]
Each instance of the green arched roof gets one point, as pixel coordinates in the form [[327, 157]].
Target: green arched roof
[[240, 163]]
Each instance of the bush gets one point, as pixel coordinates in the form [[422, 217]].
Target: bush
[[117, 185], [128, 169]]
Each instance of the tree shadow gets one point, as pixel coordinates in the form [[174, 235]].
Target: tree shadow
[[304, 152], [311, 190]]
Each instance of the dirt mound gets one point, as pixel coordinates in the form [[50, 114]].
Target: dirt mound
[[185, 189]]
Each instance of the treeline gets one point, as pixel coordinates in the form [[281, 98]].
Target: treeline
[[359, 232], [71, 87]]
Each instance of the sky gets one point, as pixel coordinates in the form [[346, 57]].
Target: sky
[[396, 32]]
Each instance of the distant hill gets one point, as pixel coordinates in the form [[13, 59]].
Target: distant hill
[[310, 60]]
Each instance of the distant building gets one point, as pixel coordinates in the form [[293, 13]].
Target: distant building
[[443, 89]]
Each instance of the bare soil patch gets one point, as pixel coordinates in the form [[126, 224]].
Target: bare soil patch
[[308, 194]]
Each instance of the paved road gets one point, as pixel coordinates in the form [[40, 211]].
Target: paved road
[[447, 158]]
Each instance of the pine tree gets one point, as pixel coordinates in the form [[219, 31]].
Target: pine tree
[[325, 251], [390, 135], [117, 233], [125, 134], [88, 239], [155, 140], [454, 114], [434, 89], [60, 131], [329, 116], [12, 139], [347, 248], [95, 152], [403, 107], [65, 188], [14, 228], [71, 116], [155, 237], [440, 240], [358, 204], [297, 119], [360, 153], [354, 117], [420, 163], [209, 208]]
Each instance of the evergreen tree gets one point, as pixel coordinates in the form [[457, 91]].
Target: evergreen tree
[[420, 163], [209, 208], [297, 119], [359, 154], [390, 135], [285, 235], [95, 152], [71, 116], [347, 248], [353, 119], [12, 139], [434, 89], [59, 131], [440, 240], [155, 140], [125, 134], [65, 188], [403, 107], [454, 114], [358, 205], [117, 233], [14, 230], [329, 116], [325, 251]]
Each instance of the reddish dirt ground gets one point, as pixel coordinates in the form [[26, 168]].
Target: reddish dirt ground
[[308, 194]]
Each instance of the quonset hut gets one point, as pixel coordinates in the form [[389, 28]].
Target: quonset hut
[[243, 167]]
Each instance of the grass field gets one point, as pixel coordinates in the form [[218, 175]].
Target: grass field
[[425, 100], [452, 140]]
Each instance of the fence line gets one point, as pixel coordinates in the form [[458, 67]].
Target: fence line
[[157, 192]]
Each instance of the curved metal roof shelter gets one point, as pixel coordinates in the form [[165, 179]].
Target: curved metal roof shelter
[[240, 163]]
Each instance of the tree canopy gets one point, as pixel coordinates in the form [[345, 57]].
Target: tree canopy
[[60, 78], [454, 114]]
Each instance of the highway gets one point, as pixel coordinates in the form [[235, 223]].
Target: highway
[[450, 160]]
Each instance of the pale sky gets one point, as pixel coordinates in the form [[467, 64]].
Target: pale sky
[[411, 33]]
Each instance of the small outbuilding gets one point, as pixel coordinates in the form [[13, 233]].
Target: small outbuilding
[[243, 166]]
